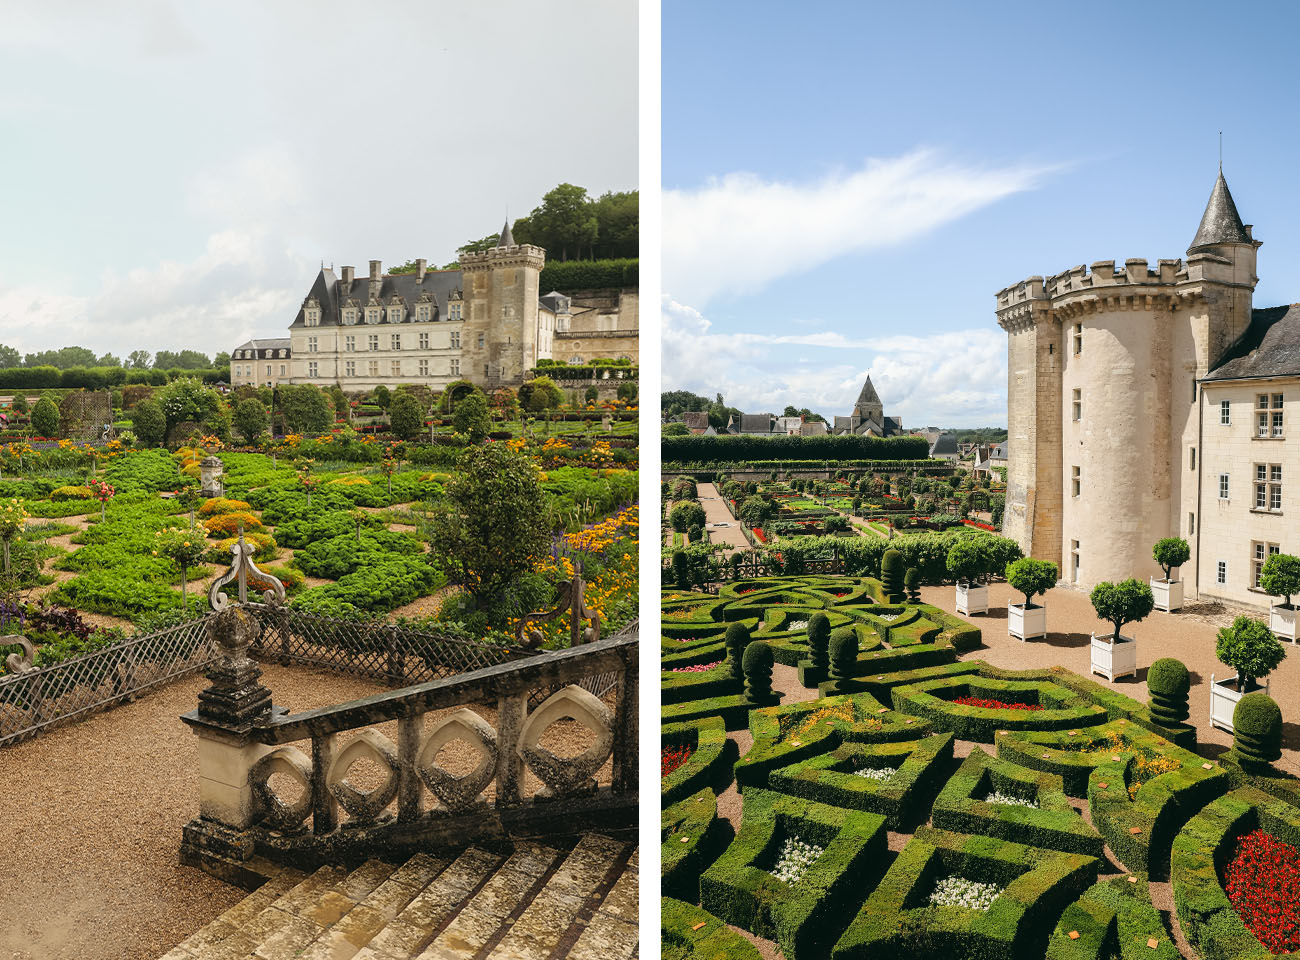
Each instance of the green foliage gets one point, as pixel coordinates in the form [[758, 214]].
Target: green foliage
[[737, 640], [690, 933], [712, 755], [843, 656], [304, 408], [681, 570], [1031, 577], [685, 515], [406, 417], [1257, 729], [249, 418], [891, 576], [1280, 576], [1249, 647], [694, 533], [1128, 601], [739, 448], [757, 664], [1168, 684], [338, 556], [45, 418], [540, 394], [471, 417], [382, 396], [755, 511], [912, 584], [185, 399], [149, 422], [373, 589], [1171, 552]]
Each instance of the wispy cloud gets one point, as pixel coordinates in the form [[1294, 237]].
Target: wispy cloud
[[951, 379], [738, 232]]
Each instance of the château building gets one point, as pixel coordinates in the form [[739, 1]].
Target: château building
[[1154, 402]]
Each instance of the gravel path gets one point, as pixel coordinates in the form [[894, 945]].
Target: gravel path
[[723, 528]]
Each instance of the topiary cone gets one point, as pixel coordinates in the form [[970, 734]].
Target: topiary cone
[[843, 657], [1168, 684], [737, 640], [891, 575], [813, 670], [1257, 729], [758, 662], [912, 584]]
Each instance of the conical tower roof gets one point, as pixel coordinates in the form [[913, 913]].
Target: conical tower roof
[[508, 238], [1220, 222], [868, 394]]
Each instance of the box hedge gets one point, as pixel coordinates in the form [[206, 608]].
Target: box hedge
[[932, 699], [692, 835], [688, 932], [710, 763], [1113, 920]]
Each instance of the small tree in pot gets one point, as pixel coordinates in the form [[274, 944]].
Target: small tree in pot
[[1170, 552], [1031, 577], [1119, 603], [1250, 648], [1280, 577]]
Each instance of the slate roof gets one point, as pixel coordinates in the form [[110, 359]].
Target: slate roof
[[260, 344], [1270, 347], [998, 452], [507, 236], [555, 301], [695, 419], [327, 290], [1220, 223], [868, 394], [945, 443], [755, 423]]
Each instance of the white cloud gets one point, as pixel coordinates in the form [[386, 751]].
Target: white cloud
[[956, 378], [738, 232]]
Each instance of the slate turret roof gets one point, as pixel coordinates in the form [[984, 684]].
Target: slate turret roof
[[1220, 223]]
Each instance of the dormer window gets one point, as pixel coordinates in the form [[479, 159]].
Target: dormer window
[[349, 316], [395, 314], [422, 312], [453, 311], [311, 316], [372, 315]]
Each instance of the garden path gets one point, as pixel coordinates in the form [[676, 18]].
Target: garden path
[[723, 528]]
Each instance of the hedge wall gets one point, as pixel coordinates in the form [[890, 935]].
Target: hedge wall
[[1113, 920], [566, 275], [692, 836], [96, 378], [715, 449], [710, 762], [689, 933]]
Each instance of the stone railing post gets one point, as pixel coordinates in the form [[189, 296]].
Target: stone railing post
[[229, 711]]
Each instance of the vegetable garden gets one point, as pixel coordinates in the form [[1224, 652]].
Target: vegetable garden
[[894, 799]]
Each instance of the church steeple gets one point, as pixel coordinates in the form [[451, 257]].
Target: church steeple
[[1220, 223], [507, 238]]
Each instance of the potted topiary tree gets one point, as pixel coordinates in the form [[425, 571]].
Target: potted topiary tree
[[1031, 577], [1281, 578], [1249, 647], [1170, 552], [1115, 655], [968, 562]]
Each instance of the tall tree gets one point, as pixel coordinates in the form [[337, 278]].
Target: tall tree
[[9, 357], [184, 360]]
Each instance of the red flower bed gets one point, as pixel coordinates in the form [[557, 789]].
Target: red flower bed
[[978, 524], [759, 534], [994, 704], [1261, 883], [670, 758]]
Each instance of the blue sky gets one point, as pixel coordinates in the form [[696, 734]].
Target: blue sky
[[173, 173], [847, 185]]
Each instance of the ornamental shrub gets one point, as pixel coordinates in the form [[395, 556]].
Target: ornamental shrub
[[912, 583], [1280, 576], [45, 418], [406, 417], [737, 639], [1257, 729], [1169, 553], [819, 638], [757, 663], [471, 417], [219, 505], [685, 515], [249, 418], [891, 576], [1168, 683], [1125, 602], [1249, 647], [149, 422], [1031, 577], [843, 654], [227, 524], [695, 533], [70, 493], [681, 570]]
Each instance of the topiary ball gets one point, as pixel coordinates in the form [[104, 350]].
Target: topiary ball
[[758, 662], [819, 638], [1257, 729], [843, 653], [1168, 683], [737, 639]]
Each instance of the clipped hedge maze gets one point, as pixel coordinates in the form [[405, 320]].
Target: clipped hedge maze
[[883, 818]]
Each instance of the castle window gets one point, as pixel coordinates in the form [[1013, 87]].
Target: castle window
[[1191, 524], [1268, 415], [1225, 412], [1076, 482], [1193, 389], [1077, 406], [455, 339], [349, 316], [1078, 339], [311, 348], [1192, 458], [372, 367], [312, 317], [424, 368], [1259, 554], [373, 340], [481, 341], [350, 368], [268, 369], [1222, 575], [453, 311], [1268, 486], [395, 341], [1074, 561], [422, 312], [312, 369], [1223, 486], [372, 316], [455, 367], [350, 342], [395, 368], [424, 341], [394, 314], [282, 369]]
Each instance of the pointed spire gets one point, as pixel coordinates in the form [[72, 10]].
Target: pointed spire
[[868, 394], [1220, 222], [507, 237]]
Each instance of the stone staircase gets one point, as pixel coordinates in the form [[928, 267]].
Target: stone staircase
[[535, 902]]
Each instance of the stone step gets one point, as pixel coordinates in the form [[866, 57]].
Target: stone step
[[612, 933], [233, 919], [479, 922], [538, 931]]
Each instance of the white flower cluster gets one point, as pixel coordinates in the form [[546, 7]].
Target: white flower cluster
[[960, 892], [798, 625], [796, 857], [889, 617], [1010, 800], [875, 773]]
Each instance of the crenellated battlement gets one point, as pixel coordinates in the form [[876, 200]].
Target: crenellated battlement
[[523, 252]]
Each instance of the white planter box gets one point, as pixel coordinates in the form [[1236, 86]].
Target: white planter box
[[1223, 701], [1168, 594], [1025, 624], [1114, 658], [1281, 620], [972, 598]]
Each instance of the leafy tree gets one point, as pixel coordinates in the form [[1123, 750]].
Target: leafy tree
[[1170, 552], [505, 403], [45, 418], [138, 359], [64, 358], [754, 511], [564, 223], [149, 422], [1128, 601], [9, 357], [1249, 647], [382, 396], [250, 419], [406, 416], [1280, 576], [486, 243], [491, 526], [184, 360], [187, 398], [675, 430], [471, 417], [627, 391], [1031, 577], [305, 409], [685, 515], [617, 225], [540, 394], [221, 359], [590, 395], [968, 561]]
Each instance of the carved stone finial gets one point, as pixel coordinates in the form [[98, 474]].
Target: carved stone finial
[[235, 698], [19, 663]]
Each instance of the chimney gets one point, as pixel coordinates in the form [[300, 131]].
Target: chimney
[[420, 269], [376, 283], [347, 279], [374, 270]]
